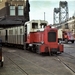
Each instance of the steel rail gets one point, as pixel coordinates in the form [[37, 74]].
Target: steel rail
[[17, 65]]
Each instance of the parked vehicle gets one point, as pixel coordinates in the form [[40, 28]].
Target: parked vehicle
[[65, 35]]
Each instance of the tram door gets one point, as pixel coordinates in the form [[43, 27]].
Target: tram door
[[6, 36], [25, 33]]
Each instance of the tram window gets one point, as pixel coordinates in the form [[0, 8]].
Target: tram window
[[20, 31], [10, 32], [35, 25], [15, 31]]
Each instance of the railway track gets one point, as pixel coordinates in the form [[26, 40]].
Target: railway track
[[65, 65], [23, 70], [69, 46], [17, 66], [55, 58]]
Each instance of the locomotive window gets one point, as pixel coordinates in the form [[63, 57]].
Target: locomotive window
[[35, 25], [43, 25], [51, 37]]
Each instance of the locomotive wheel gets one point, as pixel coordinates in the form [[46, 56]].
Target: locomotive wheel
[[37, 50], [1, 64], [33, 49], [58, 52], [50, 54]]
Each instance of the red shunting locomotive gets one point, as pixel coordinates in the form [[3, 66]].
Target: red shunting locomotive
[[41, 38]]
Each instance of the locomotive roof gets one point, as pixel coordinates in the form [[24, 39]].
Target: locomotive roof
[[42, 21]]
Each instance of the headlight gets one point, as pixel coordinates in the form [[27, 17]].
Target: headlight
[[42, 42], [30, 44]]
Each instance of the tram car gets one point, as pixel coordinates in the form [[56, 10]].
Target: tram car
[[41, 38]]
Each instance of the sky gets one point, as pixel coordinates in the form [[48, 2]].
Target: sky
[[43, 9]]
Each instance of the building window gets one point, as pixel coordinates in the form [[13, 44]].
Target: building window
[[12, 10], [66, 26], [20, 11], [10, 32]]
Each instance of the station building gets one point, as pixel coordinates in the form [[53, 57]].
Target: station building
[[13, 12]]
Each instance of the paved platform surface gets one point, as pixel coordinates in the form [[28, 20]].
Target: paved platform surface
[[20, 62]]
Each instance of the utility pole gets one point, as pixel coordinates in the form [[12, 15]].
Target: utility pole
[[44, 16]]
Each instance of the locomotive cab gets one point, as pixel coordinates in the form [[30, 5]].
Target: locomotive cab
[[33, 26]]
